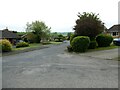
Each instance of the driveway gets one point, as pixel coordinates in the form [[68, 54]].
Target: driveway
[[55, 68]]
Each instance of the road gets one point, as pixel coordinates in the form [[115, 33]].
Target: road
[[55, 68]]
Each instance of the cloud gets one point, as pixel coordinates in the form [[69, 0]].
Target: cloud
[[55, 13]]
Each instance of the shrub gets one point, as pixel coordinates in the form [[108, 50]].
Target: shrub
[[104, 40], [58, 40], [69, 48], [5, 45], [80, 43], [92, 45], [72, 37], [22, 44]]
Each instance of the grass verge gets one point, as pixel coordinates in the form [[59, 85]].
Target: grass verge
[[33, 46], [30, 46], [56, 43], [104, 48]]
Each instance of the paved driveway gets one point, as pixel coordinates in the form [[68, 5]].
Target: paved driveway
[[55, 68]]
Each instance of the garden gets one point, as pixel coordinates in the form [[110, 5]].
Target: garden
[[90, 35], [37, 35], [6, 46]]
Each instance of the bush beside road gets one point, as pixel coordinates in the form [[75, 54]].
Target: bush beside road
[[34, 46]]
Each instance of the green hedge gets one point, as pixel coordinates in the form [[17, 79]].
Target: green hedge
[[22, 44], [80, 43], [72, 37], [92, 45], [5, 45], [104, 40]]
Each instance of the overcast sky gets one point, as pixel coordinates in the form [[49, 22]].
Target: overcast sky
[[60, 15]]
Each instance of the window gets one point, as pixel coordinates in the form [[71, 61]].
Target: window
[[115, 33]]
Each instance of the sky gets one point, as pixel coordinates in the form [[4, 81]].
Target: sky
[[60, 15]]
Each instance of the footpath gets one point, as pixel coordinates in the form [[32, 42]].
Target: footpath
[[103, 54]]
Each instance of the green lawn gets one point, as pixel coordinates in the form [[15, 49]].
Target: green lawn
[[55, 42], [104, 48], [30, 46], [33, 45]]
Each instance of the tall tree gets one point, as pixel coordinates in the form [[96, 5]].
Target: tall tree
[[39, 28], [54, 35], [68, 35], [88, 24]]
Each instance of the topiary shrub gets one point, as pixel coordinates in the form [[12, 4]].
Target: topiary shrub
[[92, 45], [71, 37], [80, 43], [5, 45], [69, 48], [104, 40], [22, 44]]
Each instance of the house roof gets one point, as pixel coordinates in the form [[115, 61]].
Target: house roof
[[114, 28], [8, 34]]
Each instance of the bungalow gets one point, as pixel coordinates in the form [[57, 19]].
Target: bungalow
[[114, 30], [10, 35]]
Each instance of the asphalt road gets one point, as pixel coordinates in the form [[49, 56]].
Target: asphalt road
[[55, 68]]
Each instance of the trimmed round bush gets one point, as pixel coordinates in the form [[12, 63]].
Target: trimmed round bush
[[92, 45], [104, 40], [5, 45], [80, 43], [22, 44], [71, 37], [69, 48]]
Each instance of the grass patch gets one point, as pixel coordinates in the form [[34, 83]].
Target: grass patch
[[35, 45], [55, 42], [30, 46], [104, 48]]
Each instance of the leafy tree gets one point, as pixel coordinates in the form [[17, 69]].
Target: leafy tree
[[21, 33], [54, 35], [46, 34], [68, 35], [39, 28], [60, 36], [88, 24], [31, 37]]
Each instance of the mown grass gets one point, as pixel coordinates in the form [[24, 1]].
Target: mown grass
[[112, 46], [35, 45], [30, 46], [55, 42]]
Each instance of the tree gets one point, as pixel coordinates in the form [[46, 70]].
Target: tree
[[39, 28], [54, 35], [46, 34], [88, 24], [68, 35]]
